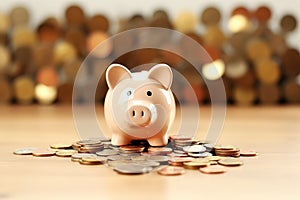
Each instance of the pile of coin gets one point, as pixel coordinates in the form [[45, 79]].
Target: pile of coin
[[140, 158], [255, 62]]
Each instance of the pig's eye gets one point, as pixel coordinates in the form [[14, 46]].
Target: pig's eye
[[129, 92], [149, 93]]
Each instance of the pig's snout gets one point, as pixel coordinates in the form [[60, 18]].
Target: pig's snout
[[139, 115]]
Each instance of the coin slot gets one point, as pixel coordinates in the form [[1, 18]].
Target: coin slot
[[133, 113], [142, 113]]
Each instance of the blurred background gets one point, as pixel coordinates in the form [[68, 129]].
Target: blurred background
[[253, 45]]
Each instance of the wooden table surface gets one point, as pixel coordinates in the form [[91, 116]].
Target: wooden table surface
[[272, 131]]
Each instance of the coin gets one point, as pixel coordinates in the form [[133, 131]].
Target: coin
[[213, 169], [92, 160], [129, 148], [263, 14], [64, 52], [288, 23], [269, 94], [5, 57], [75, 16], [132, 169], [291, 91], [25, 151], [98, 23], [64, 93], [159, 150], [194, 149], [230, 161], [158, 158], [65, 153], [196, 163], [94, 39], [200, 155], [214, 36], [210, 16], [171, 171], [248, 153], [46, 153], [24, 89], [61, 146], [291, 62], [23, 36], [19, 16], [6, 91], [107, 152], [258, 49], [244, 95], [270, 67], [185, 22]]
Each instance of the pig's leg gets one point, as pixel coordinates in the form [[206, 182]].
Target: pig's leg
[[119, 139], [158, 140]]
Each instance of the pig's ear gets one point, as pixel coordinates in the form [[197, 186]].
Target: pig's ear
[[163, 74], [116, 73]]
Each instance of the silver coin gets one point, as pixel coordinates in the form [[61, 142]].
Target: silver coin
[[146, 163], [132, 169], [194, 149], [25, 151], [118, 157], [107, 152], [81, 155], [158, 158]]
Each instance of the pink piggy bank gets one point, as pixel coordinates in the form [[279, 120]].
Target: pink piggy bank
[[140, 105]]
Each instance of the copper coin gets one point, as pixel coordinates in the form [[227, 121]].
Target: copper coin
[[48, 31], [269, 94], [263, 14], [241, 11], [43, 55], [43, 153], [75, 16], [132, 148], [47, 76], [96, 38], [291, 62], [171, 171], [98, 23], [64, 93], [76, 37], [179, 137], [267, 71], [248, 153], [213, 169], [230, 162], [19, 16], [291, 91], [159, 150], [288, 23], [210, 16], [6, 91]]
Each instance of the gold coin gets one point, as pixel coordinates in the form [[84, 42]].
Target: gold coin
[[267, 71], [94, 159], [214, 169], [230, 162], [64, 52], [171, 171], [258, 49], [185, 22], [288, 23], [65, 153], [23, 89], [214, 36], [244, 95], [5, 91], [4, 23], [224, 147], [23, 36], [61, 146], [211, 16], [4, 58], [94, 39], [19, 16], [45, 153]]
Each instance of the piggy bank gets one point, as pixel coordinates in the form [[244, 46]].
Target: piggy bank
[[139, 105]]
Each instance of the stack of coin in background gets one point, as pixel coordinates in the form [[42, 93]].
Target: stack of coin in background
[[257, 65]]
